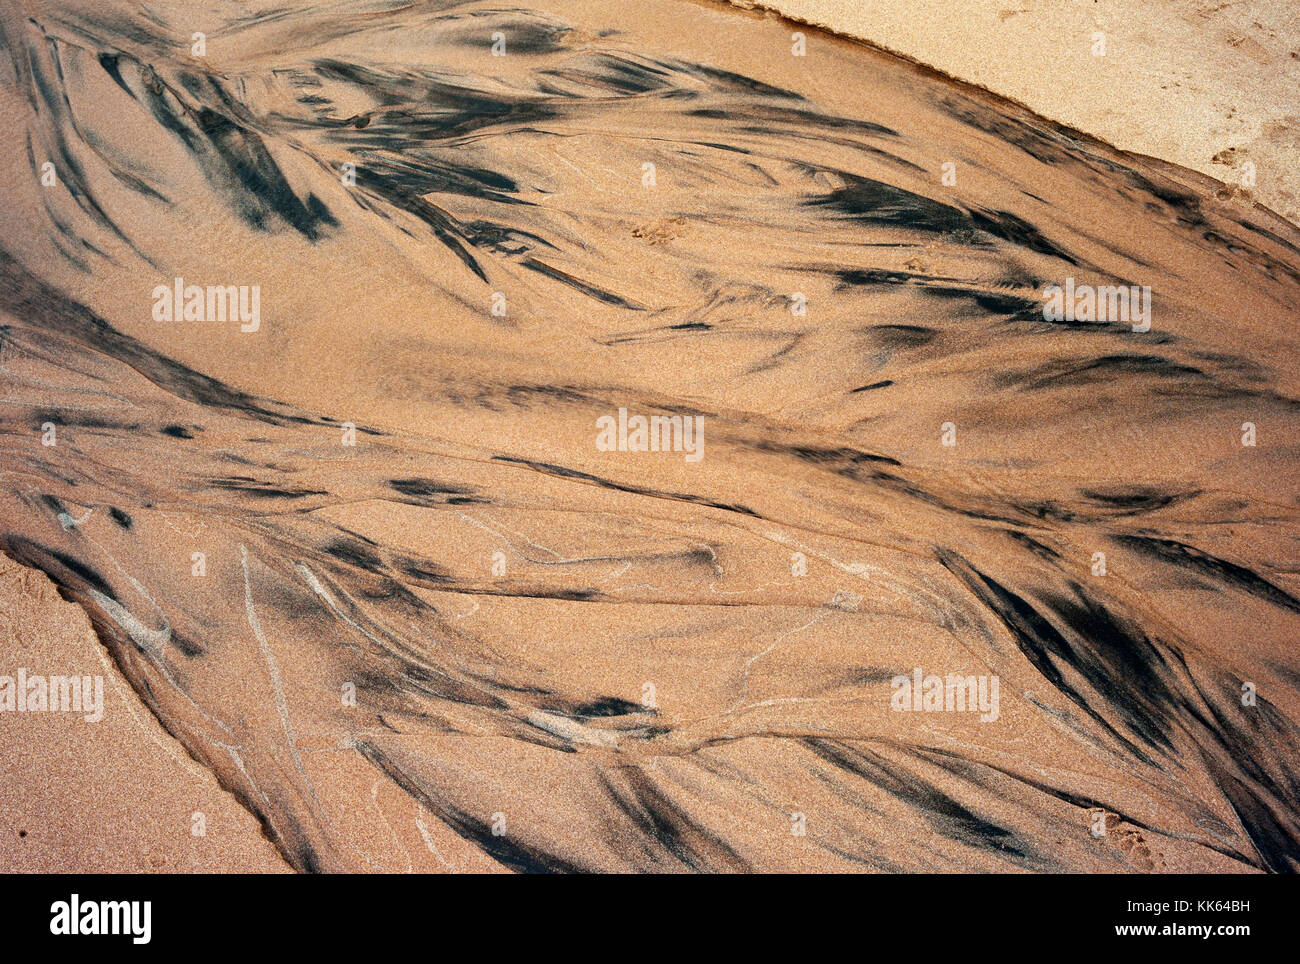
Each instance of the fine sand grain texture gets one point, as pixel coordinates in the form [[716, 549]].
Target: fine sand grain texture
[[115, 795], [1207, 84], [326, 340]]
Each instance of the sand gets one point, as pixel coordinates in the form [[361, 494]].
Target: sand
[[366, 557], [118, 795], [1207, 85]]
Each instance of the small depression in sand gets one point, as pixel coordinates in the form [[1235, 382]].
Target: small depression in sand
[[352, 537]]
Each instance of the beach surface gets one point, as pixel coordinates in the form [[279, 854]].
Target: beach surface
[[1204, 84], [325, 330]]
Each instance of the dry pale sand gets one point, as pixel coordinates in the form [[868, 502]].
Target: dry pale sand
[[438, 626], [1206, 84]]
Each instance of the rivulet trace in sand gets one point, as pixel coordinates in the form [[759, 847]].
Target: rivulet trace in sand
[[564, 657]]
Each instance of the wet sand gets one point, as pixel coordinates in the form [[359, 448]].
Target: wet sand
[[436, 625]]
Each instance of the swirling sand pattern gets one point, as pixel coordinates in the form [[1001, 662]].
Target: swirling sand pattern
[[492, 700]]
